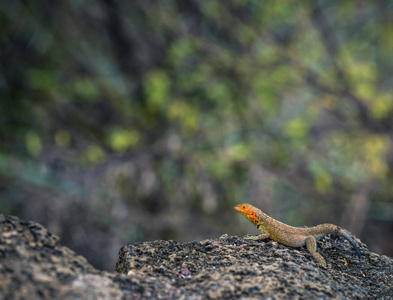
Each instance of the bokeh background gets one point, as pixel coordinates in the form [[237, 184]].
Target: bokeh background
[[125, 121]]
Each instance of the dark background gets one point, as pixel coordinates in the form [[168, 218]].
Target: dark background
[[125, 121]]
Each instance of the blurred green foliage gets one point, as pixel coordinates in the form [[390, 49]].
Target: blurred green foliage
[[173, 111]]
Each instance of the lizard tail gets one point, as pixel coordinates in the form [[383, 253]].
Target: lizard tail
[[345, 235]]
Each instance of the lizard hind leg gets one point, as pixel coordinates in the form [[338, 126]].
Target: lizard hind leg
[[311, 245]]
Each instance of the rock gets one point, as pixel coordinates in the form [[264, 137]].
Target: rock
[[230, 267], [34, 265]]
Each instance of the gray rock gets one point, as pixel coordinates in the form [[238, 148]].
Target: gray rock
[[35, 266]]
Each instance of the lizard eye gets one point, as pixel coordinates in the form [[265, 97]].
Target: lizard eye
[[244, 207], [252, 214]]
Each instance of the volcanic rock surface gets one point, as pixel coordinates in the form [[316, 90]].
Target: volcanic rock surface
[[34, 265]]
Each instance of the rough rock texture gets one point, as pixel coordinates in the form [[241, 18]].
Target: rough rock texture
[[33, 265], [231, 267]]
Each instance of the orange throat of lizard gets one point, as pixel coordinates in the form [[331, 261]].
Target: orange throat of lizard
[[248, 212]]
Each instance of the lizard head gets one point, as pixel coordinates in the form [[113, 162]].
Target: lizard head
[[248, 211]]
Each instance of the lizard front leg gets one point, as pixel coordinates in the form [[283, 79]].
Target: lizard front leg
[[264, 234], [311, 244]]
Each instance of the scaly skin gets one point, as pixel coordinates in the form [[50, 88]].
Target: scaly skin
[[289, 235]]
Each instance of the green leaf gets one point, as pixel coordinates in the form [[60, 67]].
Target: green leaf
[[296, 128], [33, 143], [86, 88], [121, 140], [157, 87], [239, 152], [95, 154], [62, 138]]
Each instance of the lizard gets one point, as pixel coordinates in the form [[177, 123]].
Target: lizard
[[289, 235]]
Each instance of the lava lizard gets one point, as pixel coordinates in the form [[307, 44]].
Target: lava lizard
[[289, 235]]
